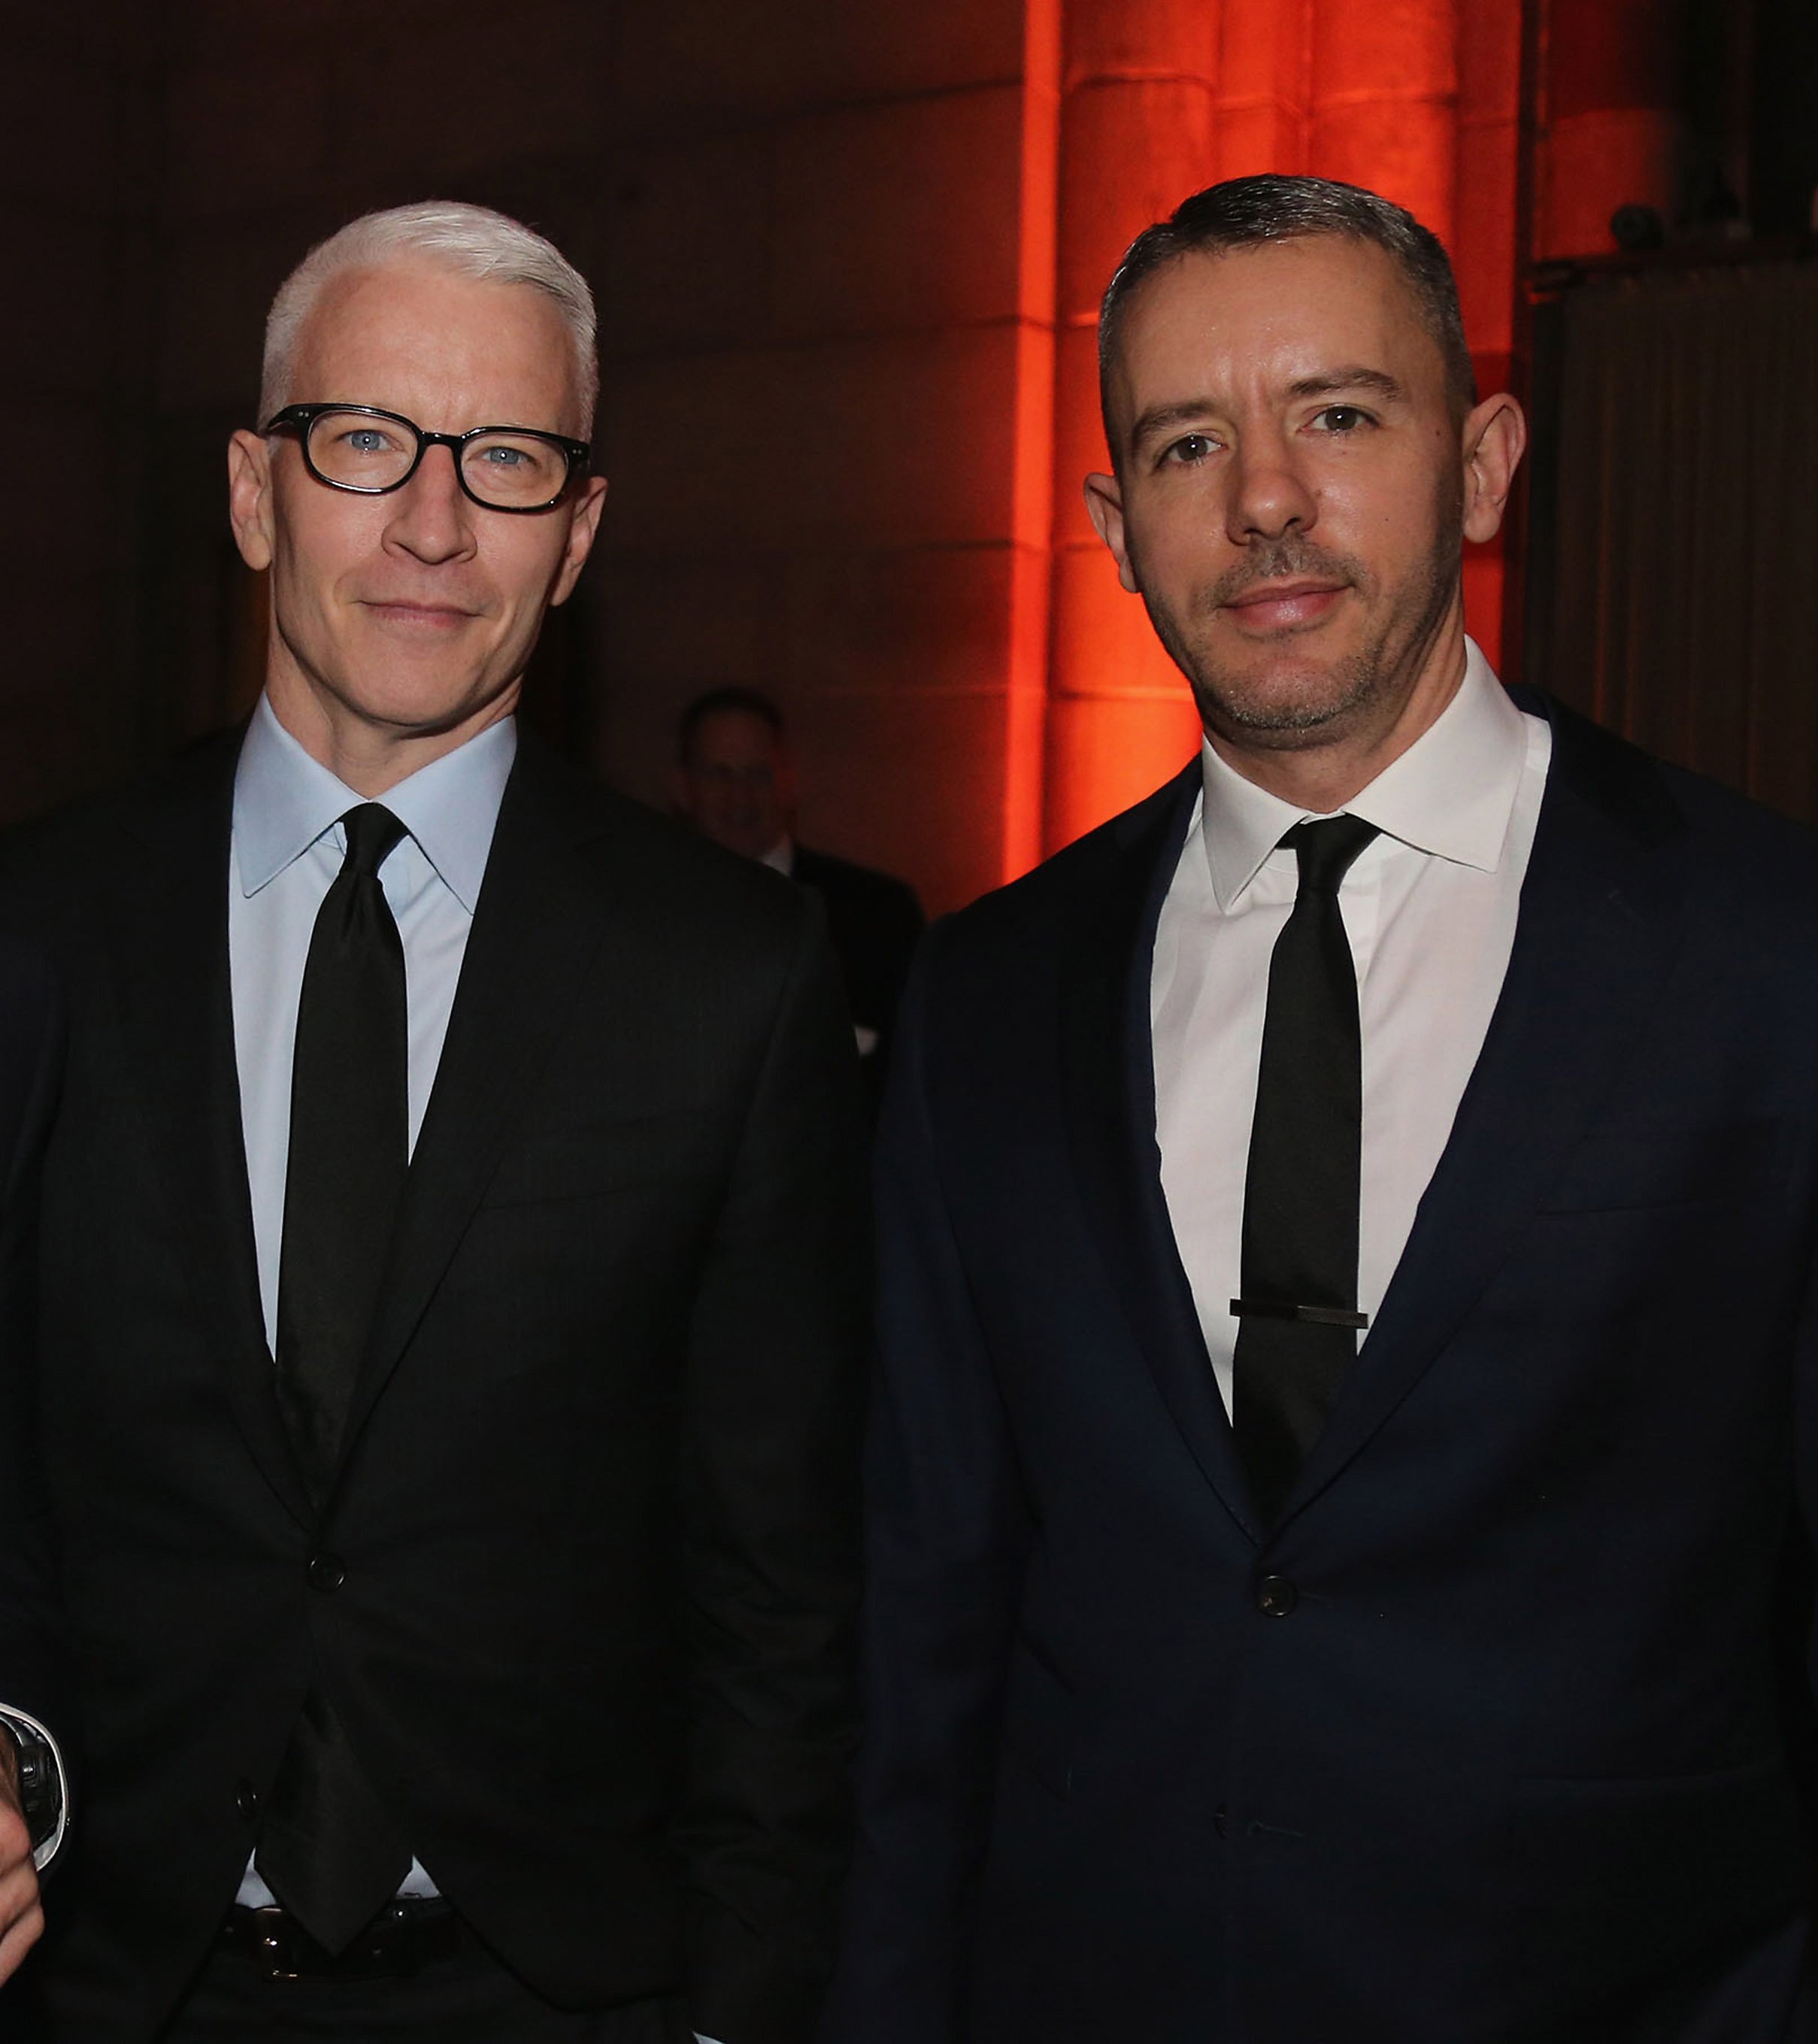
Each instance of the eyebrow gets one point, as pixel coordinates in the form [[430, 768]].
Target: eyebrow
[[1354, 377], [1162, 418]]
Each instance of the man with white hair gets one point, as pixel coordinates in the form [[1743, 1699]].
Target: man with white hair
[[448, 1270]]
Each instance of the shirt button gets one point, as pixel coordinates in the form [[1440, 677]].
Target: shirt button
[[1276, 1596], [245, 1801], [327, 1572]]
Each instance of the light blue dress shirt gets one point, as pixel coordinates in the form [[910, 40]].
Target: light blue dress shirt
[[288, 847]]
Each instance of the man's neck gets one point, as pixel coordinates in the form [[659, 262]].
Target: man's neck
[[369, 757], [1322, 775]]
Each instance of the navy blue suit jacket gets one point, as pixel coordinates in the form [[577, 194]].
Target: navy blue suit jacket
[[1503, 1759]]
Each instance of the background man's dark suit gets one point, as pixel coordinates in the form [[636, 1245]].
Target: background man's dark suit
[[1482, 1744], [875, 921], [578, 1597]]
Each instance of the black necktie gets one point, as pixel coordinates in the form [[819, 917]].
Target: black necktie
[[327, 1848], [1298, 1318]]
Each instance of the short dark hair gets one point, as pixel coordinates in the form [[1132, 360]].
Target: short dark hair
[[721, 702], [1243, 213]]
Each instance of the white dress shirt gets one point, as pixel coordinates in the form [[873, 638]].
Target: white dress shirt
[[287, 846], [1429, 908]]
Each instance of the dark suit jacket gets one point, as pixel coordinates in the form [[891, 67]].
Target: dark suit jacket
[[875, 921], [594, 1513], [30, 1643], [1498, 1756]]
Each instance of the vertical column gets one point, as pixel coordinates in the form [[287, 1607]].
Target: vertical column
[[1610, 134], [1137, 136], [1486, 256], [1265, 61], [1032, 495], [1385, 101]]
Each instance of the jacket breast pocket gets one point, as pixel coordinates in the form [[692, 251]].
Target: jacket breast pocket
[[1613, 1173]]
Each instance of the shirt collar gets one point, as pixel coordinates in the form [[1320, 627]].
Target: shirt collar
[[1450, 793], [284, 800]]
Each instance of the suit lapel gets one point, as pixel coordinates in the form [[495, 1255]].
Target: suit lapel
[[1597, 931], [539, 919], [1106, 1037], [177, 1018]]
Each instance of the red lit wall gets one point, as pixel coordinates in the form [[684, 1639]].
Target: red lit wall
[[1609, 131], [1418, 99], [890, 370]]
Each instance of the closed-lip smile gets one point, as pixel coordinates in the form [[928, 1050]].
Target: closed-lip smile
[[1280, 605], [407, 611]]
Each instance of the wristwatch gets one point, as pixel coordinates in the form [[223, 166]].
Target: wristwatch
[[40, 1783]]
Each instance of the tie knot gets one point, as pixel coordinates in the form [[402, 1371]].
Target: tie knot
[[1326, 849], [372, 831]]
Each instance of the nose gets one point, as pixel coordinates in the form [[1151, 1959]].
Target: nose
[[432, 517], [1269, 495]]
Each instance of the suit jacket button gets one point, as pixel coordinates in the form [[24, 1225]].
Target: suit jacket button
[[245, 1801], [1276, 1596], [327, 1572]]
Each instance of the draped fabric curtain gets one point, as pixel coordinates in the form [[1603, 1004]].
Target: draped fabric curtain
[[1672, 560]]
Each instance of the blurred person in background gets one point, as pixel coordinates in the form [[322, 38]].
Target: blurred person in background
[[736, 782]]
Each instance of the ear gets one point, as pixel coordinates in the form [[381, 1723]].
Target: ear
[[1494, 437], [1105, 507], [583, 529], [249, 498]]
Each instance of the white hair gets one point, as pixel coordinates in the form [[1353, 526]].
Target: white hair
[[472, 240]]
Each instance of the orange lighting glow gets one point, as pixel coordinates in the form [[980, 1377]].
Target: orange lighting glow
[[1417, 99]]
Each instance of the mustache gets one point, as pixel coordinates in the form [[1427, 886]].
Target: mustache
[[1283, 560]]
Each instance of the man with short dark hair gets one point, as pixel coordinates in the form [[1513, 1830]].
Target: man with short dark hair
[[736, 782], [450, 1294], [1349, 1350]]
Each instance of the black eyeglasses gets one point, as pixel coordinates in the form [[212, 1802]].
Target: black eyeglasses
[[358, 447]]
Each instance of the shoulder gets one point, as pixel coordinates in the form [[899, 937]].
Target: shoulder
[[121, 839], [1744, 853], [1110, 869], [644, 862]]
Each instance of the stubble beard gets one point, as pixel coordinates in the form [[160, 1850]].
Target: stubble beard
[[1285, 705]]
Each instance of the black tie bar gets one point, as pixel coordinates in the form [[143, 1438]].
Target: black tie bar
[[1318, 1316]]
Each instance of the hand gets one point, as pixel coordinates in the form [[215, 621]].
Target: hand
[[21, 1915]]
